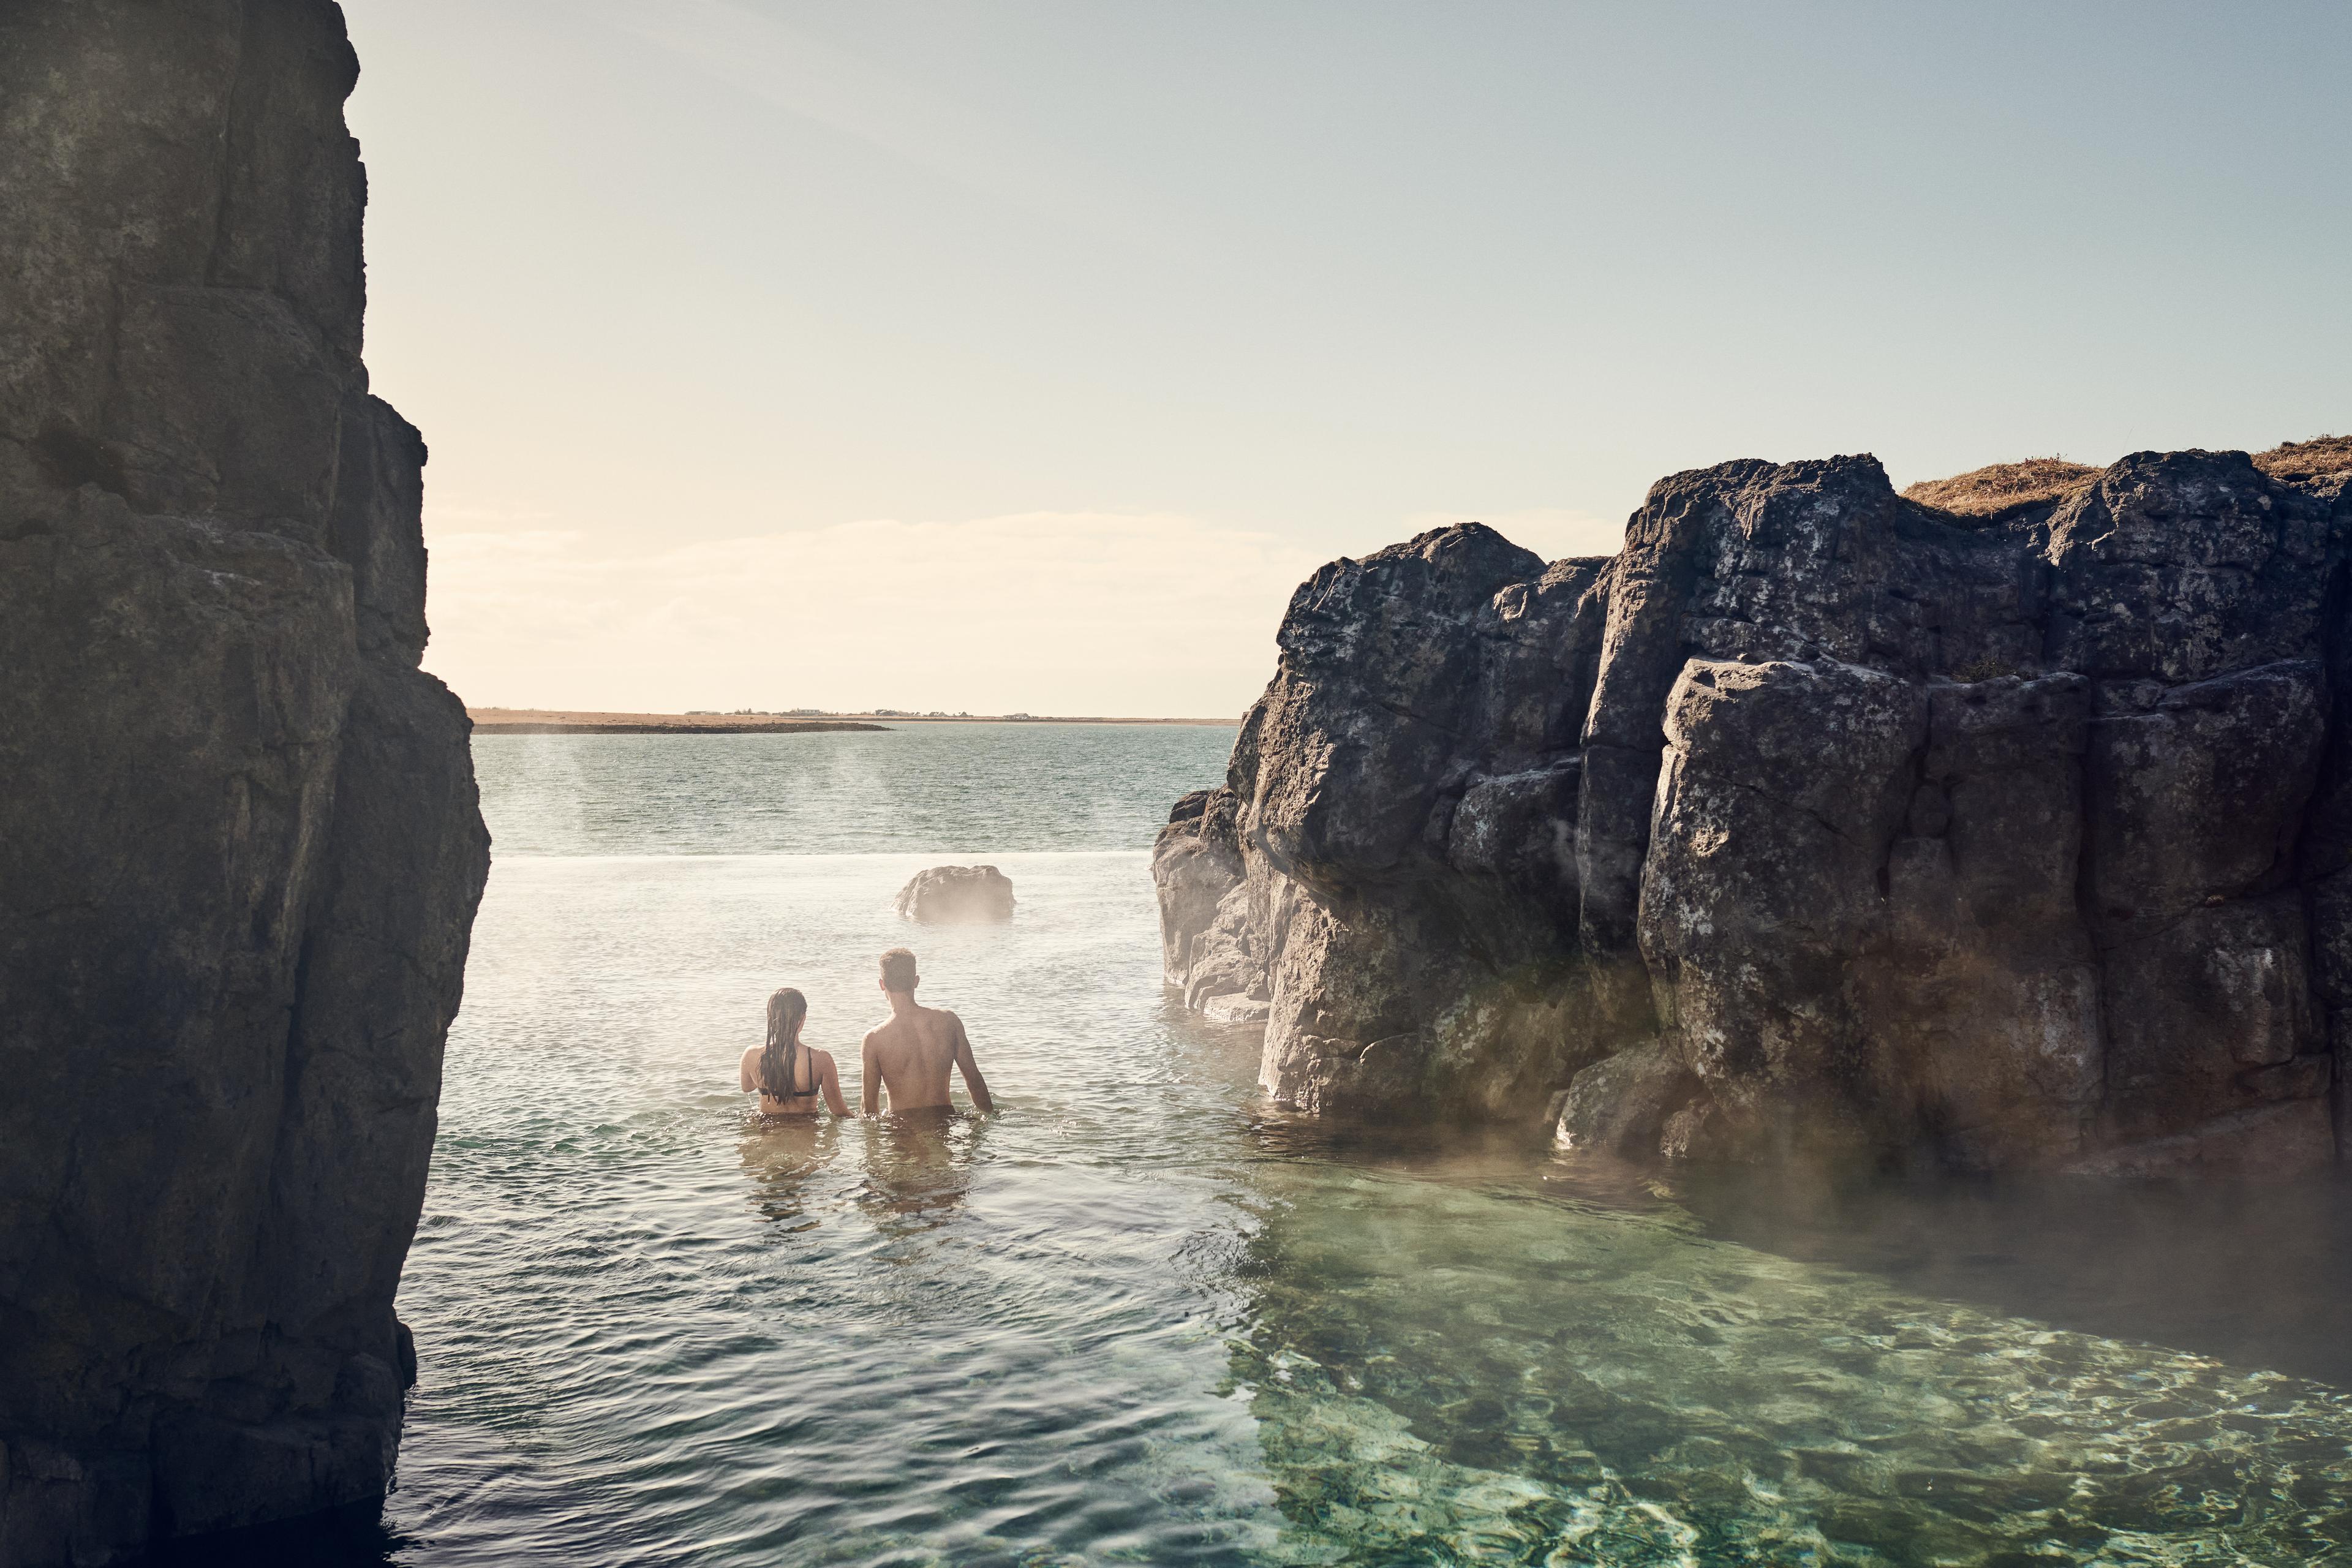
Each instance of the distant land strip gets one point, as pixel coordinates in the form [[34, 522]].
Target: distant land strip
[[565, 721], [623, 725]]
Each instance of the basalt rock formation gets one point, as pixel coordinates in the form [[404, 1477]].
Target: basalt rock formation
[[239, 844], [1820, 820], [957, 895]]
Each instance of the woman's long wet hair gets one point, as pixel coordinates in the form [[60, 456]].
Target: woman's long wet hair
[[780, 1059]]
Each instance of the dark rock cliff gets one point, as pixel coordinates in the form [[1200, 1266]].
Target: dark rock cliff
[[239, 845], [1819, 820]]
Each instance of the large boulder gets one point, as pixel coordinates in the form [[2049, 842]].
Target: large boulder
[[957, 895], [239, 845], [1820, 820], [1391, 859]]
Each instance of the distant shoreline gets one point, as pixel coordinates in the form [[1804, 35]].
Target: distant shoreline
[[561, 727], [569, 722]]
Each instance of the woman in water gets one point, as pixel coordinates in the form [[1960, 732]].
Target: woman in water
[[789, 1076]]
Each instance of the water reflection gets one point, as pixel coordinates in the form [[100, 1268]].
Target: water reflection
[[918, 1166], [781, 1154]]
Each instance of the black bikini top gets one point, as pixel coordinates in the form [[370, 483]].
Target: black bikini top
[[816, 1080]]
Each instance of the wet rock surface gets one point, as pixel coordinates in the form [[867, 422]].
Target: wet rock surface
[[957, 895], [1818, 821], [240, 847]]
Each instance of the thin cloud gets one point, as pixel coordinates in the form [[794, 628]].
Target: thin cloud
[[1042, 612]]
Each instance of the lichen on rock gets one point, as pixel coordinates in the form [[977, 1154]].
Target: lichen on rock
[[1818, 821]]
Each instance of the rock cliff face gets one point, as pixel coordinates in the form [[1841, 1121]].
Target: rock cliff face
[[239, 845], [1818, 821]]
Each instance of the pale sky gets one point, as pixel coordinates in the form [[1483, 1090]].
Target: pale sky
[[1025, 356]]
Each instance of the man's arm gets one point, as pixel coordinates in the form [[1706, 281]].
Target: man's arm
[[869, 1080], [975, 1085]]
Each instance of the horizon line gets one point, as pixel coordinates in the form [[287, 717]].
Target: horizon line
[[719, 721]]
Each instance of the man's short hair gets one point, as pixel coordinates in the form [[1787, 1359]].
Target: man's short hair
[[898, 970]]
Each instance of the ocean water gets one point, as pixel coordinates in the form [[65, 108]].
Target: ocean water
[[1139, 1317]]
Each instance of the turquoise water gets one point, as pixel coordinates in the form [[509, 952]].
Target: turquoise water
[[1139, 1318]]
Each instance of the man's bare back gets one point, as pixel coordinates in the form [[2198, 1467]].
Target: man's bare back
[[911, 1055]]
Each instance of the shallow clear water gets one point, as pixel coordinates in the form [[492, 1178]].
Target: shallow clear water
[[1139, 1318]]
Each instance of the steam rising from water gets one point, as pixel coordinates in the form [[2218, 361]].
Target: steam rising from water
[[1139, 1318], [945, 789]]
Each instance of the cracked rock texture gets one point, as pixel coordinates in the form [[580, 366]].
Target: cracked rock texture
[[1818, 822], [239, 844]]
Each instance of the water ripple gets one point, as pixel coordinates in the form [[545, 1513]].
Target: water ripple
[[1141, 1318]]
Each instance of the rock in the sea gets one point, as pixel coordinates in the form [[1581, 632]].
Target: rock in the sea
[[239, 846], [1820, 820], [957, 895]]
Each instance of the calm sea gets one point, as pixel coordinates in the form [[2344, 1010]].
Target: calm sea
[[1139, 1318]]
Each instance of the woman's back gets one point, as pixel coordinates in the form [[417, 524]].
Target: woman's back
[[790, 1077], [814, 1075]]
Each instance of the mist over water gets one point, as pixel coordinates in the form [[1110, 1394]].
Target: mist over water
[[950, 788], [1140, 1318]]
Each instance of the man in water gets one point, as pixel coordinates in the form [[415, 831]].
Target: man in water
[[909, 1055]]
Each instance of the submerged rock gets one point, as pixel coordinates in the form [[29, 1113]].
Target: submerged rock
[[957, 895], [240, 847], [1818, 820]]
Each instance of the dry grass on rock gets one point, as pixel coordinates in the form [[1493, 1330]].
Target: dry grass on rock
[[2003, 487], [2321, 457]]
